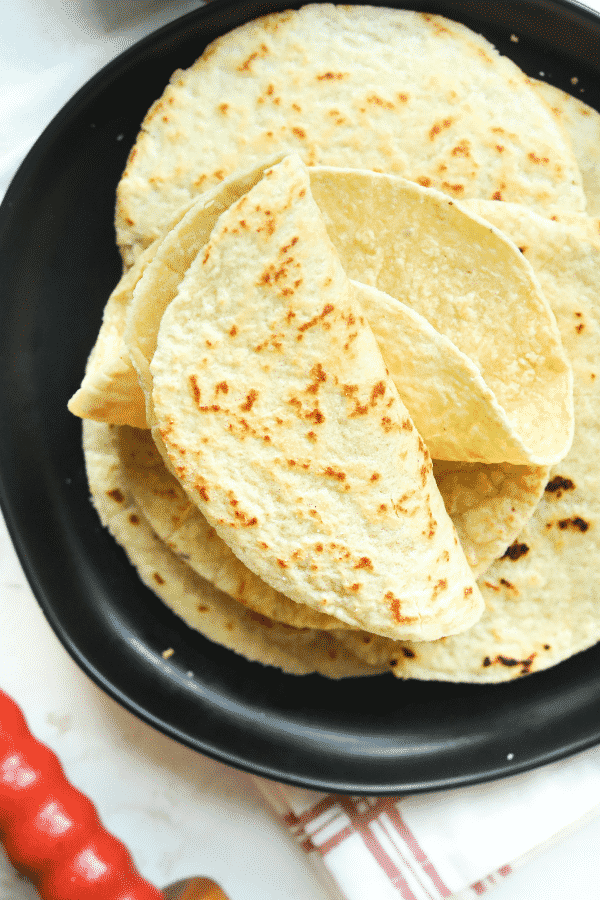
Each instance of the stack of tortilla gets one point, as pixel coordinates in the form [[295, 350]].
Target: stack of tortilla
[[341, 409]]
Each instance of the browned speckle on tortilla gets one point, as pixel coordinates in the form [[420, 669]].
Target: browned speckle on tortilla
[[364, 563], [440, 586], [331, 76], [222, 387], [408, 653], [332, 473], [378, 391], [135, 520], [379, 101], [116, 495], [245, 66], [375, 476], [538, 159], [558, 484], [203, 493], [248, 403], [315, 416], [576, 523], [439, 127], [462, 149], [491, 586], [455, 188], [468, 590], [486, 661], [507, 661], [158, 578], [282, 564], [318, 376], [515, 551]]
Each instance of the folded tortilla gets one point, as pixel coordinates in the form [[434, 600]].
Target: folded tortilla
[[198, 603], [181, 526], [511, 399], [541, 597], [275, 411]]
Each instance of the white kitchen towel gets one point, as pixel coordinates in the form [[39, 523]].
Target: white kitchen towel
[[457, 843]]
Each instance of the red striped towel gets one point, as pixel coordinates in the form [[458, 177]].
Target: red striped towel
[[458, 843]]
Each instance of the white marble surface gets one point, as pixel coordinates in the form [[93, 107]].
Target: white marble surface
[[179, 812]]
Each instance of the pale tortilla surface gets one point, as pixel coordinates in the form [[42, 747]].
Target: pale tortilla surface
[[473, 285], [542, 596], [582, 123], [181, 526], [390, 90], [198, 603], [456, 411], [321, 485], [162, 277], [110, 390], [489, 504]]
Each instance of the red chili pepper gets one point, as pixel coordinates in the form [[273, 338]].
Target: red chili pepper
[[50, 831]]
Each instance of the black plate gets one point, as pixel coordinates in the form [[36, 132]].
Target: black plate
[[58, 263]]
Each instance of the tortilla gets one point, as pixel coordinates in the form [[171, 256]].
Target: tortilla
[[169, 264], [489, 504], [542, 596], [181, 526], [383, 89], [110, 391], [201, 606], [472, 284], [458, 413], [276, 413], [582, 123]]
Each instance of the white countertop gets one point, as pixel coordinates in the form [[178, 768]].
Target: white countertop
[[179, 812]]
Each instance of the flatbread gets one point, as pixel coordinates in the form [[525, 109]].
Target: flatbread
[[473, 286], [582, 122], [489, 504], [199, 604], [163, 276], [181, 526], [276, 413], [446, 373], [541, 597], [390, 90], [110, 390]]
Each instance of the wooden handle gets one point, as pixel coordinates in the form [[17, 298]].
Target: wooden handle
[[203, 889]]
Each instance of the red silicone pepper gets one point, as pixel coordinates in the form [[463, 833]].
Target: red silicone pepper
[[50, 831]]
